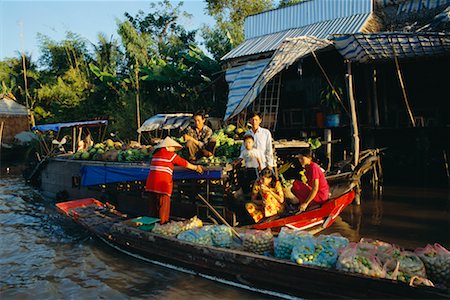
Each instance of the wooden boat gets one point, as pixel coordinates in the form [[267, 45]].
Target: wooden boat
[[259, 273], [323, 216]]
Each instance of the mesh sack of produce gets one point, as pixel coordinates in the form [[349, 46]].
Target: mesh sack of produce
[[310, 252], [221, 236], [304, 249], [437, 263], [360, 259], [257, 241], [198, 236], [335, 241], [170, 229], [404, 265], [286, 240], [192, 223]]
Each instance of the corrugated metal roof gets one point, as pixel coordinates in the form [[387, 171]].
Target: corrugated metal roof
[[386, 45], [12, 108], [319, 30], [288, 53], [303, 14]]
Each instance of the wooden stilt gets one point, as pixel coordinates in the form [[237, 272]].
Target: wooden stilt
[[376, 114], [327, 133], [354, 119]]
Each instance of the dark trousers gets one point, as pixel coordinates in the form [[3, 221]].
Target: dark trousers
[[195, 152], [246, 178], [159, 206]]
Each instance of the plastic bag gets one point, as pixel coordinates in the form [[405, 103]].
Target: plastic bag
[[437, 263], [257, 241], [308, 251], [360, 258], [201, 236], [335, 241], [404, 265], [222, 236], [192, 223], [170, 229], [285, 242]]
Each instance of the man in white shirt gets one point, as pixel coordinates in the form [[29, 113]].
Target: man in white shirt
[[262, 137]]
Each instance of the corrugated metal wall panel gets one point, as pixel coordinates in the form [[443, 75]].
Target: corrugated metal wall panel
[[303, 14]]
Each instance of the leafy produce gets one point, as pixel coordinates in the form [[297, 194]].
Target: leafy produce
[[257, 241], [115, 151], [437, 263]]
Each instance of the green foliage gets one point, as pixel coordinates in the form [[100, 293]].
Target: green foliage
[[284, 3], [154, 55], [230, 15], [216, 41], [329, 100]]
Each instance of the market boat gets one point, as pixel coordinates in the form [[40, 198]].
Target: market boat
[[259, 273]]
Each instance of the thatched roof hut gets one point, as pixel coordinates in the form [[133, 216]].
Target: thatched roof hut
[[14, 117]]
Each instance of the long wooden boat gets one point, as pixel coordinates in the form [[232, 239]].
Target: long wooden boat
[[260, 273]]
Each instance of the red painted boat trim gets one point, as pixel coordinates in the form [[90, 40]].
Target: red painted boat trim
[[330, 208]]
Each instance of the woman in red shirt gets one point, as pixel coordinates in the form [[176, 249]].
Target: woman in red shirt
[[316, 186], [159, 181]]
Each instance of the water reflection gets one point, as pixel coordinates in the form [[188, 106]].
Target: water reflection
[[44, 255]]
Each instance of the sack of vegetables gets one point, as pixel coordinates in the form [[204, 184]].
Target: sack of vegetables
[[286, 240], [257, 241], [310, 252], [170, 229], [437, 263], [221, 236], [360, 259], [199, 236], [335, 241], [404, 265]]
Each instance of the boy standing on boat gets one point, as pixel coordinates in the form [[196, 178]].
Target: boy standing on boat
[[254, 161], [262, 138], [159, 181]]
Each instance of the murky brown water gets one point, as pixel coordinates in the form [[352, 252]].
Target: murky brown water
[[45, 256]]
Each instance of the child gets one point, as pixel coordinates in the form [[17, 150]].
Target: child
[[267, 196], [159, 181], [254, 162]]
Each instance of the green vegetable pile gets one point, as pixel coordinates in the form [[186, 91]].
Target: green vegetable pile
[[115, 151]]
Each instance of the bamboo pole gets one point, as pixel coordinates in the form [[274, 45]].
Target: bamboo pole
[[24, 67], [403, 86], [375, 98], [354, 119], [138, 113]]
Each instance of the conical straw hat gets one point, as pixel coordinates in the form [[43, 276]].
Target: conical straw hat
[[168, 142]]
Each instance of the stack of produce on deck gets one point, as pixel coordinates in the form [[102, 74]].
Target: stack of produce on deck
[[173, 228], [227, 148], [367, 257], [115, 151]]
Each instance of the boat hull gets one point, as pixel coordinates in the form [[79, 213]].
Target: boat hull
[[256, 272]]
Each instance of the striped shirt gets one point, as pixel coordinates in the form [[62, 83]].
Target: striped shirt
[[159, 179]]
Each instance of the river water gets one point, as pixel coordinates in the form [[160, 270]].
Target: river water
[[45, 256]]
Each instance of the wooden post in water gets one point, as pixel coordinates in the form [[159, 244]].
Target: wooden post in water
[[327, 133], [354, 118], [376, 114]]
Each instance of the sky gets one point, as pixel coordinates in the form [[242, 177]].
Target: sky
[[21, 21]]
